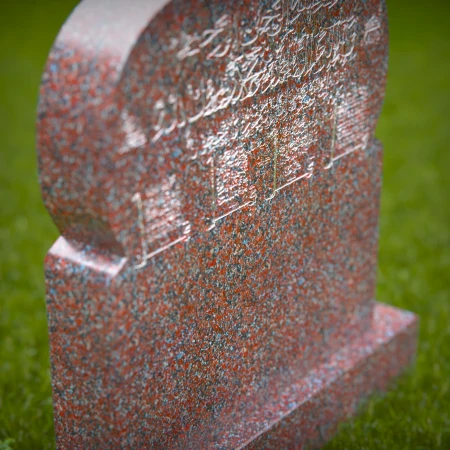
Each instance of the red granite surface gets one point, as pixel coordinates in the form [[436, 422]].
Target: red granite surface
[[212, 169]]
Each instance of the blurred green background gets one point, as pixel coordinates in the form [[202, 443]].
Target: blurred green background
[[414, 269]]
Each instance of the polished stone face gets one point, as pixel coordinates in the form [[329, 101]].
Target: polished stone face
[[213, 171]]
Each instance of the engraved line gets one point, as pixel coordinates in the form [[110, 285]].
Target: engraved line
[[232, 211], [275, 166], [293, 181], [138, 200], [358, 147], [160, 250], [333, 137], [213, 182]]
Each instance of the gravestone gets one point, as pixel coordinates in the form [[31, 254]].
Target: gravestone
[[212, 168]]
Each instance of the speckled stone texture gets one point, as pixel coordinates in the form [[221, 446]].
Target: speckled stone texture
[[212, 168]]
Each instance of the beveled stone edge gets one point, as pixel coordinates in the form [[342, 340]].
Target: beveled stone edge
[[334, 391]]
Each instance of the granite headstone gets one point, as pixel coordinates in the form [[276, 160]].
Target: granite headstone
[[212, 169]]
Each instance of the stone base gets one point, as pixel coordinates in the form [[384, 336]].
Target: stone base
[[308, 416]]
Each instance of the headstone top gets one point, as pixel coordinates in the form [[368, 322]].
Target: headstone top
[[234, 101]]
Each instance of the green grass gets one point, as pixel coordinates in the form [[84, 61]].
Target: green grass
[[415, 229]]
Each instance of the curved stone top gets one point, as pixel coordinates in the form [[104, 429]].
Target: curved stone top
[[157, 119]]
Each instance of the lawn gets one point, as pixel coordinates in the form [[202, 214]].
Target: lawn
[[414, 269]]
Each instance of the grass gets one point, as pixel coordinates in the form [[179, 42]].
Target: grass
[[414, 269]]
